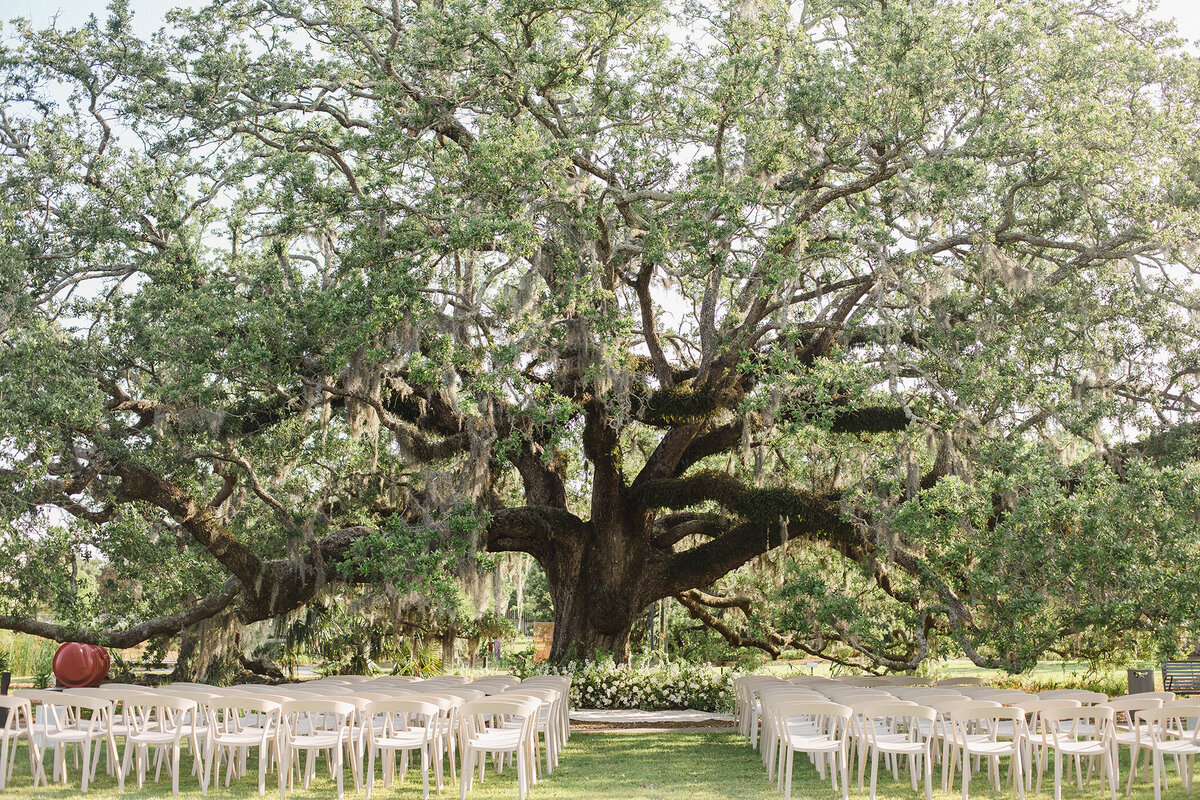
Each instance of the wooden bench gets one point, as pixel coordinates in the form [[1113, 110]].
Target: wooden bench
[[1181, 677]]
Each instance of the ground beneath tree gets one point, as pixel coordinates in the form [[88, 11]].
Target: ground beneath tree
[[637, 721], [654, 727]]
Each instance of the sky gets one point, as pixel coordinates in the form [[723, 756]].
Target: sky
[[148, 14]]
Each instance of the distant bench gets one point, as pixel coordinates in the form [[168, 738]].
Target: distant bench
[[1181, 677]]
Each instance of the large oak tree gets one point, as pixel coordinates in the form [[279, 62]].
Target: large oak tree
[[299, 294]]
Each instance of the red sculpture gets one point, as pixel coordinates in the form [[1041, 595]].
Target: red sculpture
[[77, 665]]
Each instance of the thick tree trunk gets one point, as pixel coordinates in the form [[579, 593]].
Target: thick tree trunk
[[599, 585], [448, 637]]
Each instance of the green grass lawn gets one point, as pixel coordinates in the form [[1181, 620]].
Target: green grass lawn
[[597, 764]]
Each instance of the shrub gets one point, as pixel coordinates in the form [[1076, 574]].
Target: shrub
[[603, 684], [1111, 684]]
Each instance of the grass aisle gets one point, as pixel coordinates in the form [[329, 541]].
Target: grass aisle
[[597, 765]]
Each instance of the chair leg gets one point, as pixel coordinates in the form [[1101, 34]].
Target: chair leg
[[263, 758], [966, 778], [338, 768], [787, 783], [467, 773], [369, 775], [522, 771], [1133, 759], [874, 770], [844, 765], [85, 770], [927, 756], [285, 768]]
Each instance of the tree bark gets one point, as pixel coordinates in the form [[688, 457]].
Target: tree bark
[[600, 583], [449, 637], [596, 596]]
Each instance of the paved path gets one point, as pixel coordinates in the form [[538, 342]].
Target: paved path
[[648, 718]]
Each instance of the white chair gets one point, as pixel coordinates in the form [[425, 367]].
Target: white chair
[[1005, 697], [154, 720], [477, 739], [746, 709], [237, 723], [1172, 731], [312, 727], [562, 683], [460, 679], [1036, 762], [18, 724], [943, 729], [965, 680], [547, 722], [408, 725], [829, 738], [195, 724], [446, 741], [975, 734], [1079, 732], [772, 727], [810, 680], [70, 725], [118, 695], [1129, 730], [919, 693], [40, 701], [910, 733], [1084, 697], [859, 745], [1165, 697]]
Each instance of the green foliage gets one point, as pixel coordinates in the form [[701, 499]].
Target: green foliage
[[25, 655], [43, 673], [347, 639], [488, 626], [1112, 684], [604, 684], [424, 663], [308, 296], [121, 670], [417, 558]]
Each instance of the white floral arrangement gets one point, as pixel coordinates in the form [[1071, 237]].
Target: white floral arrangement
[[604, 684]]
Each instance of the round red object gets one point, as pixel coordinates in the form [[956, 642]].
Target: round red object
[[105, 661], [78, 664]]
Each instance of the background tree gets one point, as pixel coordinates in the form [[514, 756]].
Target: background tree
[[307, 293]]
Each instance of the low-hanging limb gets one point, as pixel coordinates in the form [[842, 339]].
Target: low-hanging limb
[[773, 643], [171, 624], [695, 608]]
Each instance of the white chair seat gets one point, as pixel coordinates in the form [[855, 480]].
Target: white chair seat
[[1082, 748], [989, 748], [414, 738], [244, 739], [497, 738], [1178, 747], [320, 740], [810, 744]]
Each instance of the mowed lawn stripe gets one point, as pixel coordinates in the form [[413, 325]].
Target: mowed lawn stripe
[[596, 765]]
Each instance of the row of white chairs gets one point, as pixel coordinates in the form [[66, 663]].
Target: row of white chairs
[[961, 726], [345, 719]]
